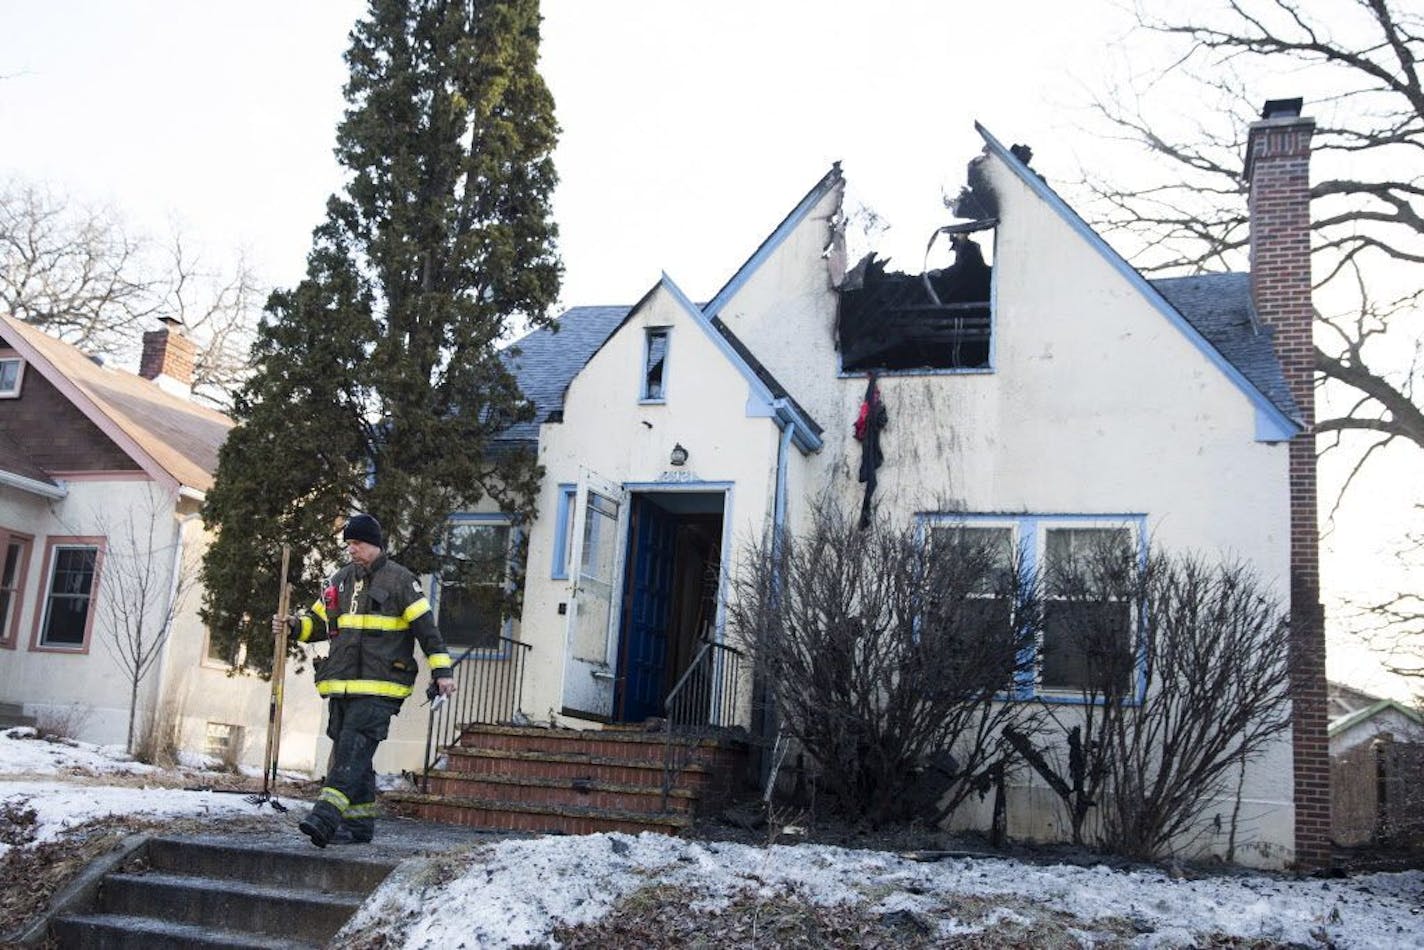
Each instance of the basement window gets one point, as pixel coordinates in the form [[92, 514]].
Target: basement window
[[933, 321], [655, 365], [222, 740]]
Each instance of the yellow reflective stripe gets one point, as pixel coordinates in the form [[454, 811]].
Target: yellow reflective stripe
[[319, 609], [372, 622], [418, 609], [439, 661], [305, 631], [335, 797], [367, 810], [362, 688]]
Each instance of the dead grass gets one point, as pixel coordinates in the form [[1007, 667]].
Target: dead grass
[[661, 916]]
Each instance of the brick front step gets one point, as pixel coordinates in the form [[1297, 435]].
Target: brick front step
[[568, 792], [553, 765], [621, 744], [512, 816]]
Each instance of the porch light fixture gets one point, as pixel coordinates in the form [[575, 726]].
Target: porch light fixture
[[679, 455]]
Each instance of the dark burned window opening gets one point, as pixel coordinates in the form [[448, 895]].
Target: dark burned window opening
[[938, 320]]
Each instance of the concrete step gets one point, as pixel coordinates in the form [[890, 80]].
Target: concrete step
[[577, 791], [211, 891], [225, 859], [541, 819], [565, 765], [227, 904], [120, 932]]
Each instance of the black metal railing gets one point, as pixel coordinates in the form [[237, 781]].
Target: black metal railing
[[487, 692], [702, 703]]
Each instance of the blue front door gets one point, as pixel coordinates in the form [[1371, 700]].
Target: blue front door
[[647, 612]]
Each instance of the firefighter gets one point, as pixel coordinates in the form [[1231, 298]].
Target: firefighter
[[372, 612]]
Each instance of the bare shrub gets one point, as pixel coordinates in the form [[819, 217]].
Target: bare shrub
[[883, 652], [63, 722], [1182, 681], [158, 741]]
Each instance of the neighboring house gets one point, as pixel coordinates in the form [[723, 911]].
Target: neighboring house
[[1055, 396], [102, 475], [1377, 769]]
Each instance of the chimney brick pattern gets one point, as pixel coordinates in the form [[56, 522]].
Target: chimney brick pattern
[[167, 352], [1278, 170]]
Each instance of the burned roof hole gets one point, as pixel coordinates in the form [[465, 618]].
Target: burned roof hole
[[939, 319]]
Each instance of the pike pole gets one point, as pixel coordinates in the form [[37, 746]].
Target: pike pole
[[279, 676]]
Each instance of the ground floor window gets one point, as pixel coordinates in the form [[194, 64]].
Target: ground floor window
[[70, 587], [14, 557], [1080, 564], [473, 579]]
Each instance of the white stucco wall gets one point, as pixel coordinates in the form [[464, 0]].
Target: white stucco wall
[[1096, 405], [607, 430], [92, 683]]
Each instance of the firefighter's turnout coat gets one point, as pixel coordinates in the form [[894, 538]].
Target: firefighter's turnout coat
[[372, 619]]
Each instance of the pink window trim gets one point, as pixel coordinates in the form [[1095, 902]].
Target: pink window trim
[[27, 542], [47, 581]]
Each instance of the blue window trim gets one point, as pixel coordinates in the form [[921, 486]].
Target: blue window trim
[[563, 528], [506, 629], [643, 398], [1029, 537]]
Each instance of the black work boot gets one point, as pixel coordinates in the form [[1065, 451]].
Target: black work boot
[[355, 831], [321, 823]]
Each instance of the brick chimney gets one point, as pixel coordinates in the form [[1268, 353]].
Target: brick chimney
[[1278, 174], [168, 358]]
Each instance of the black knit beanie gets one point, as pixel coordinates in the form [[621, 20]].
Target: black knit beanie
[[363, 528]]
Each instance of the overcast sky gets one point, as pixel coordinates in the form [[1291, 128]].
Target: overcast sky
[[689, 129]]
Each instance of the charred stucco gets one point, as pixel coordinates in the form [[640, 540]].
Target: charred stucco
[[939, 319]]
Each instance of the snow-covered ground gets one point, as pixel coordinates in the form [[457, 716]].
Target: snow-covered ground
[[516, 891]]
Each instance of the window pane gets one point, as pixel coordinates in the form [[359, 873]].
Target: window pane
[[9, 596], [1072, 554], [68, 606], [472, 577], [992, 544], [1087, 645], [657, 359], [469, 617], [9, 375]]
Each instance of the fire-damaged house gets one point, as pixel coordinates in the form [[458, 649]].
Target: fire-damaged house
[[1038, 388]]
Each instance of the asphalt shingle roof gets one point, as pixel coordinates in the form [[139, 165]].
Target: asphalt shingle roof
[[1219, 307], [181, 436], [546, 360]]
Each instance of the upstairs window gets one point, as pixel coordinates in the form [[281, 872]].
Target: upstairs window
[[12, 373], [938, 320], [470, 587], [655, 365]]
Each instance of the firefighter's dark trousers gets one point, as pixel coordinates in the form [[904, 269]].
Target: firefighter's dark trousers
[[356, 726]]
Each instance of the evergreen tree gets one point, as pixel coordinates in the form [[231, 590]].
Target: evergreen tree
[[377, 385]]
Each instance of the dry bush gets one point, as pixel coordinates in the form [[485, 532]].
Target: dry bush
[[885, 655], [157, 743], [63, 722]]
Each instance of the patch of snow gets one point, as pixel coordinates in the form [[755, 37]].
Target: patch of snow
[[23, 752], [518, 891]]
